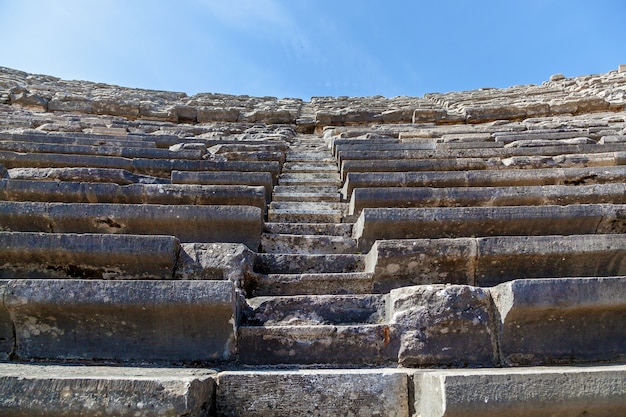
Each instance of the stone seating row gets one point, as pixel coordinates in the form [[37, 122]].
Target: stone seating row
[[404, 197], [592, 390], [187, 321]]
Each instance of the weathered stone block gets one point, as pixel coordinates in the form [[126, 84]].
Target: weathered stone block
[[87, 255], [561, 320], [507, 258], [443, 325], [7, 339], [541, 392], [123, 321], [215, 261], [345, 392], [397, 263], [37, 390]]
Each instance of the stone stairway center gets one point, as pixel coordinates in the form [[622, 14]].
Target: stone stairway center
[[457, 254]]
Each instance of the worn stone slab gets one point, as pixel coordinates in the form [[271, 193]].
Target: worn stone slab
[[315, 310], [86, 192], [487, 178], [311, 283], [240, 224], [321, 393], [263, 179], [128, 141], [36, 390], [333, 229], [506, 258], [7, 337], [363, 344], [561, 320], [106, 150], [398, 263], [443, 325], [215, 261], [521, 392], [281, 263], [450, 222], [123, 321], [48, 255], [116, 176], [399, 197], [296, 243]]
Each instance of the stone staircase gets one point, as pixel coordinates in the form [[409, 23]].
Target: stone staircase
[[457, 254]]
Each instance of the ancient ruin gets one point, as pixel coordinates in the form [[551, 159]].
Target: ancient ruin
[[458, 254]]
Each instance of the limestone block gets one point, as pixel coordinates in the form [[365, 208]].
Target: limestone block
[[507, 258], [561, 320], [444, 222], [427, 115], [116, 107], [493, 112], [199, 223], [227, 178], [541, 392], [7, 339], [397, 263], [443, 325], [320, 393], [217, 261], [106, 175], [355, 344], [123, 321], [209, 114], [34, 390], [70, 104]]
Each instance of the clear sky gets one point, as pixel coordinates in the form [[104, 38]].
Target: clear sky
[[304, 48]]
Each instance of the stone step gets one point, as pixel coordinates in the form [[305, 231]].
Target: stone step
[[62, 255], [310, 167], [332, 229], [153, 321], [305, 193], [107, 175], [450, 222], [129, 141], [547, 391], [308, 156], [32, 389], [263, 179], [314, 179], [490, 261], [169, 194], [496, 163], [107, 150], [405, 197], [489, 178], [478, 153], [316, 283], [155, 167], [364, 344], [275, 263], [314, 392], [312, 244], [315, 310], [233, 224], [306, 212]]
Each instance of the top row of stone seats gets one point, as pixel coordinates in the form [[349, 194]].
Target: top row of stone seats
[[560, 95]]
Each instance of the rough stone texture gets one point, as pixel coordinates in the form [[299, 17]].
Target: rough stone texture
[[358, 393], [123, 321], [46, 390], [540, 391], [215, 261], [7, 338], [562, 320], [49, 255], [443, 325]]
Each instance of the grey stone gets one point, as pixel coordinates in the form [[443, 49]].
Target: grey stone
[[116, 176], [561, 320], [449, 325], [344, 392], [398, 263], [534, 391], [227, 178], [312, 283], [7, 337], [215, 261], [123, 321], [282, 263], [87, 255], [33, 390]]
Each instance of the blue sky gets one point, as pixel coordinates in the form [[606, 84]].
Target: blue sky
[[300, 48]]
